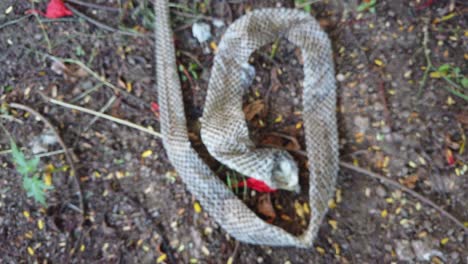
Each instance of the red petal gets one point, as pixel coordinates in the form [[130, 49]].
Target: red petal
[[257, 185], [154, 107], [57, 9], [450, 157]]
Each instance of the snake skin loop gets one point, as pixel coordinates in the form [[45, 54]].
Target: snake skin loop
[[224, 130]]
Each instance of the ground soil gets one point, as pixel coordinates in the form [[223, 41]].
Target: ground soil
[[137, 210]]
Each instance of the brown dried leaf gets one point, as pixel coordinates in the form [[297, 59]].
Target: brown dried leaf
[[275, 84], [253, 109], [272, 140], [410, 181], [462, 118], [74, 71], [265, 207]]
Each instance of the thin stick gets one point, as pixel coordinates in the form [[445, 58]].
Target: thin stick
[[68, 152], [405, 189], [104, 26], [40, 155], [103, 109], [427, 52], [12, 22], [101, 115], [44, 32], [91, 5], [234, 253]]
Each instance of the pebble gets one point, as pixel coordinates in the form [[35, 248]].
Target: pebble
[[218, 23], [340, 77], [201, 31], [424, 252], [381, 191], [362, 123], [247, 74], [403, 250]]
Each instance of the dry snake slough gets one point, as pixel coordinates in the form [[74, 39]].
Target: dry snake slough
[[224, 130]]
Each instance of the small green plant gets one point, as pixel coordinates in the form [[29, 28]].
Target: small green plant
[[304, 4], [233, 180], [28, 168], [144, 12], [453, 76], [367, 5]]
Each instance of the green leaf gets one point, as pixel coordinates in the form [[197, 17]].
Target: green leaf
[[464, 82], [456, 71], [444, 68], [23, 166], [364, 6], [19, 159], [35, 188]]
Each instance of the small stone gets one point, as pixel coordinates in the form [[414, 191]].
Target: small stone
[[247, 74], [201, 31], [340, 77], [218, 23], [362, 123], [403, 250], [424, 252], [381, 191]]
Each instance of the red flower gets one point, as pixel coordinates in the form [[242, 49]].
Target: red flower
[[154, 107], [256, 185], [55, 9]]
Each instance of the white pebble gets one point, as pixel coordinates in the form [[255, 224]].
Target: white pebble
[[201, 31]]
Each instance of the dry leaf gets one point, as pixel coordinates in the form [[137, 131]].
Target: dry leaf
[[272, 140], [253, 109], [410, 181], [274, 81], [265, 207], [462, 118]]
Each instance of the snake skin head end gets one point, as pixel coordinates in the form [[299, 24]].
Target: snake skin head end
[[285, 173]]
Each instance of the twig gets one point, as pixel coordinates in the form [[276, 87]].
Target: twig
[[11, 118], [427, 52], [68, 152], [44, 32], [234, 253], [103, 109], [40, 155], [91, 5], [101, 115], [104, 26], [85, 93], [405, 189], [12, 22]]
